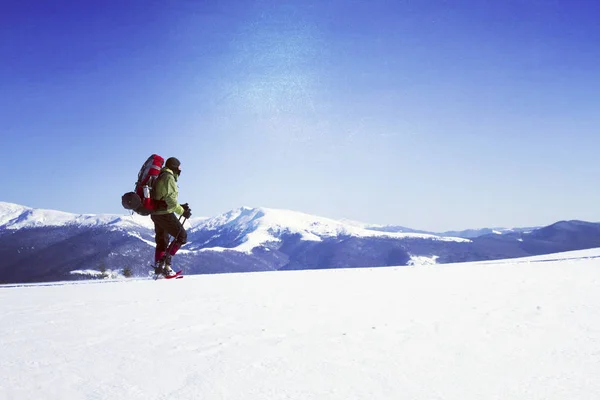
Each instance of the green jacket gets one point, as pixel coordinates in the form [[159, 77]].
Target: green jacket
[[165, 189]]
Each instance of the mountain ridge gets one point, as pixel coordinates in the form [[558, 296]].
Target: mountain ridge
[[43, 245], [30, 217]]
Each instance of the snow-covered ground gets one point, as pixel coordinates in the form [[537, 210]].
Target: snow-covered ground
[[504, 330]]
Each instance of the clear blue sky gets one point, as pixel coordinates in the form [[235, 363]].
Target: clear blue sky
[[430, 114]]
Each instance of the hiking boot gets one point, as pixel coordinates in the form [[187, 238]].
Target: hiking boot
[[167, 271], [158, 267]]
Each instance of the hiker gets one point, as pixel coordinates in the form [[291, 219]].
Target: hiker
[[165, 221]]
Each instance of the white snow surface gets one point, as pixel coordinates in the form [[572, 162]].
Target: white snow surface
[[90, 272], [422, 260], [564, 256], [509, 330]]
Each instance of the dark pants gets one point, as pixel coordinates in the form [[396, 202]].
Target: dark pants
[[165, 225]]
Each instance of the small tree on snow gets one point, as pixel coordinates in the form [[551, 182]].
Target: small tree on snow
[[102, 270]]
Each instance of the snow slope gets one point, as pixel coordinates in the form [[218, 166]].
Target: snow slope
[[564, 256], [508, 330]]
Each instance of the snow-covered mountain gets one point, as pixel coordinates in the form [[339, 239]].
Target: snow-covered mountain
[[508, 329], [260, 227], [473, 233], [14, 217], [44, 245], [465, 234]]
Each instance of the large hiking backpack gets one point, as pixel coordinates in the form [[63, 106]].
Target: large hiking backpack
[[141, 201]]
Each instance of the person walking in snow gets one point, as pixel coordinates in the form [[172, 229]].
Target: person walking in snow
[[165, 221]]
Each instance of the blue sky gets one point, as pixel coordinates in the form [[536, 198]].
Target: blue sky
[[432, 114]]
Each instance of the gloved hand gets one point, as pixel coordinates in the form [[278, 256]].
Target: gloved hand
[[185, 207], [187, 213]]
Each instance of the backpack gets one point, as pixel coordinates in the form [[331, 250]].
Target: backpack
[[140, 200]]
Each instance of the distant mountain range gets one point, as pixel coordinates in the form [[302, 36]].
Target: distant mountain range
[[44, 245], [466, 234]]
